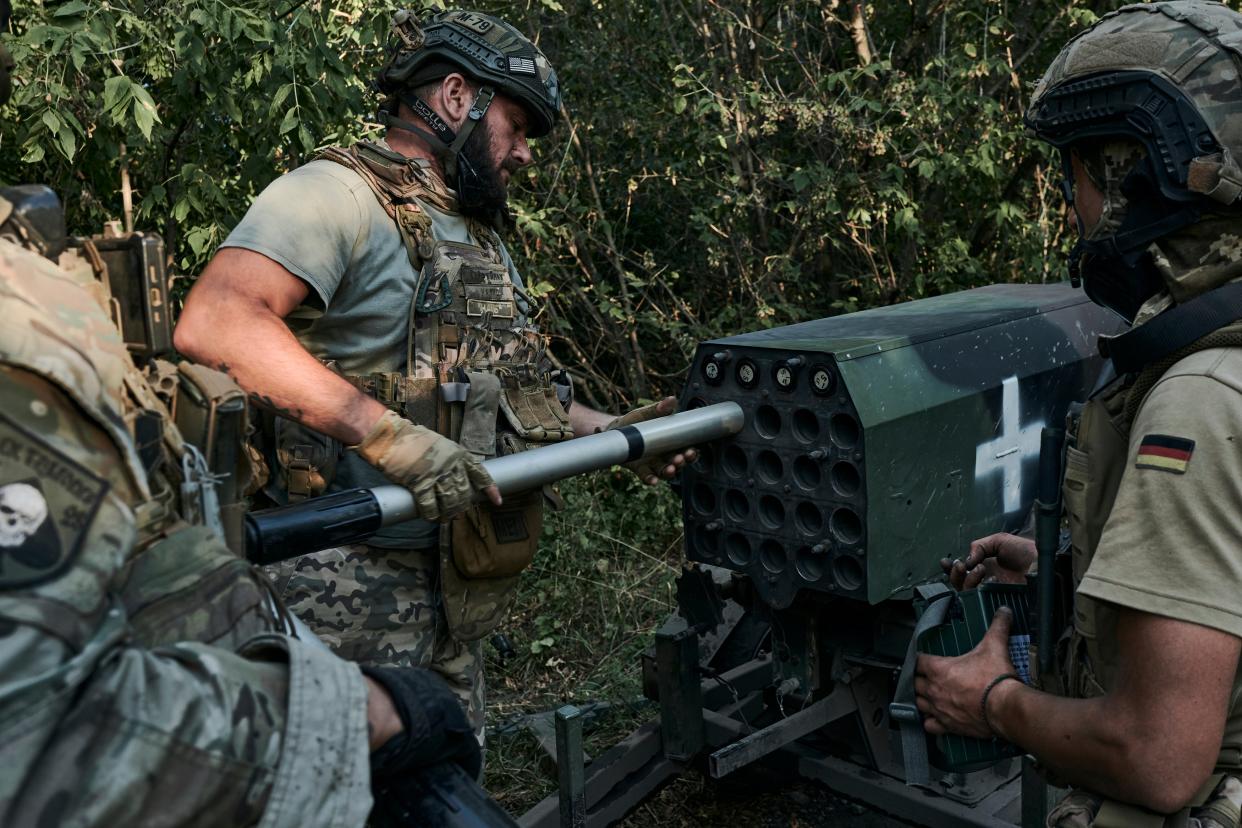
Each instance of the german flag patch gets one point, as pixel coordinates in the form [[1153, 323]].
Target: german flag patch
[[1160, 451]]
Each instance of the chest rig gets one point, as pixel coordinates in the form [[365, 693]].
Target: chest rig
[[471, 355], [476, 371]]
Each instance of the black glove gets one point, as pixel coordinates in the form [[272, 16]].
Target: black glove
[[442, 796], [436, 730]]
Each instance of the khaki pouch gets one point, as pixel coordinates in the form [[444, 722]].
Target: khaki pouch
[[482, 553], [478, 420], [491, 542], [307, 459], [533, 410], [212, 414]]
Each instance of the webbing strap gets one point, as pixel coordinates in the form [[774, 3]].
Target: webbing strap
[[442, 138], [903, 710], [1174, 329]]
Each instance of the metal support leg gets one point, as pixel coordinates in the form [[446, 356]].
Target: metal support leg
[[569, 767], [754, 746], [1036, 796], [681, 696]]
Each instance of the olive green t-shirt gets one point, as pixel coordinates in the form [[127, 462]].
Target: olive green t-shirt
[[1172, 544], [323, 224]]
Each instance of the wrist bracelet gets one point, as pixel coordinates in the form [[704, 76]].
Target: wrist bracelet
[[987, 691]]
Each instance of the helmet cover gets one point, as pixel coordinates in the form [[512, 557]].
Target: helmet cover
[[482, 47], [1164, 78]]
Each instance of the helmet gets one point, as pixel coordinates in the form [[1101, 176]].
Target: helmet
[[482, 47], [1162, 78]]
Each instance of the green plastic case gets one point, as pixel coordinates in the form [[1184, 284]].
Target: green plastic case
[[967, 622]]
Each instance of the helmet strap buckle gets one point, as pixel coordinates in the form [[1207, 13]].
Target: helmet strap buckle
[[481, 103]]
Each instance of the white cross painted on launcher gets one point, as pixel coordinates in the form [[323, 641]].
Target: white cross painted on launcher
[[1012, 446]]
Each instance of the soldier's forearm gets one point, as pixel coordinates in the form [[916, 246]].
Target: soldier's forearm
[[253, 345], [1088, 742]]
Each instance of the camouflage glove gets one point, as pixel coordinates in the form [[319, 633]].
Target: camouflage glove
[[1076, 810], [441, 475], [1223, 808], [651, 469]]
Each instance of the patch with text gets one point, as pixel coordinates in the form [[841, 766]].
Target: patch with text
[[47, 501]]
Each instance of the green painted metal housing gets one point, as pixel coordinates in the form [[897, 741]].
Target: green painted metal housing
[[879, 442]]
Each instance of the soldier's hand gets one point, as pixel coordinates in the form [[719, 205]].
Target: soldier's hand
[[1001, 557], [442, 476], [651, 469], [434, 728], [948, 691]]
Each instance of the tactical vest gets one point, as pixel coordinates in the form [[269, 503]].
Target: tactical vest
[[476, 371]]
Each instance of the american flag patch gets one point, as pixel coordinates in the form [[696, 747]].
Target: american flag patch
[[1160, 451], [525, 66]]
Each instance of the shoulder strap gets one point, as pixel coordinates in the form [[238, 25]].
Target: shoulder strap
[[1228, 336], [397, 184], [1173, 330], [902, 710]]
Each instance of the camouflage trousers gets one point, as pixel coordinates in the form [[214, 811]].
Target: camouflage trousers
[[383, 606], [1222, 809]]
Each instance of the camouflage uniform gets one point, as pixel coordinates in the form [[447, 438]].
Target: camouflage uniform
[[113, 708], [381, 606]]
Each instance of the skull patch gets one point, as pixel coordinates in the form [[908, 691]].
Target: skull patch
[[22, 511], [48, 506]]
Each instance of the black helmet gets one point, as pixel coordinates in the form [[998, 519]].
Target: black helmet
[[483, 48]]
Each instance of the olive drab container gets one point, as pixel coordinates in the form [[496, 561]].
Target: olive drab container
[[877, 443], [969, 615]]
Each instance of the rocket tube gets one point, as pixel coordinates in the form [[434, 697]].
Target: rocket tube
[[348, 517]]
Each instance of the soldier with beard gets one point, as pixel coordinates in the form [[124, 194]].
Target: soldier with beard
[[368, 301], [147, 676]]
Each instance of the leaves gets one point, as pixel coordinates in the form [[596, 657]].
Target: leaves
[[716, 177], [290, 121], [145, 116], [179, 82], [71, 9]]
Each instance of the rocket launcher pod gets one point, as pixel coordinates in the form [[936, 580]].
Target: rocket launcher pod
[[878, 442], [351, 516]]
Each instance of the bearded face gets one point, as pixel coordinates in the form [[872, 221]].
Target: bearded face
[[481, 190]]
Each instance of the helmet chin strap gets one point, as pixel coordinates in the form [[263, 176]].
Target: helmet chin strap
[[442, 139]]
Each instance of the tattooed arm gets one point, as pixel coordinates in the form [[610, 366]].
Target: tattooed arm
[[234, 321]]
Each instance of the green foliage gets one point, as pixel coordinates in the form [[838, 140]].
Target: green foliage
[[725, 165], [600, 585], [210, 100]]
